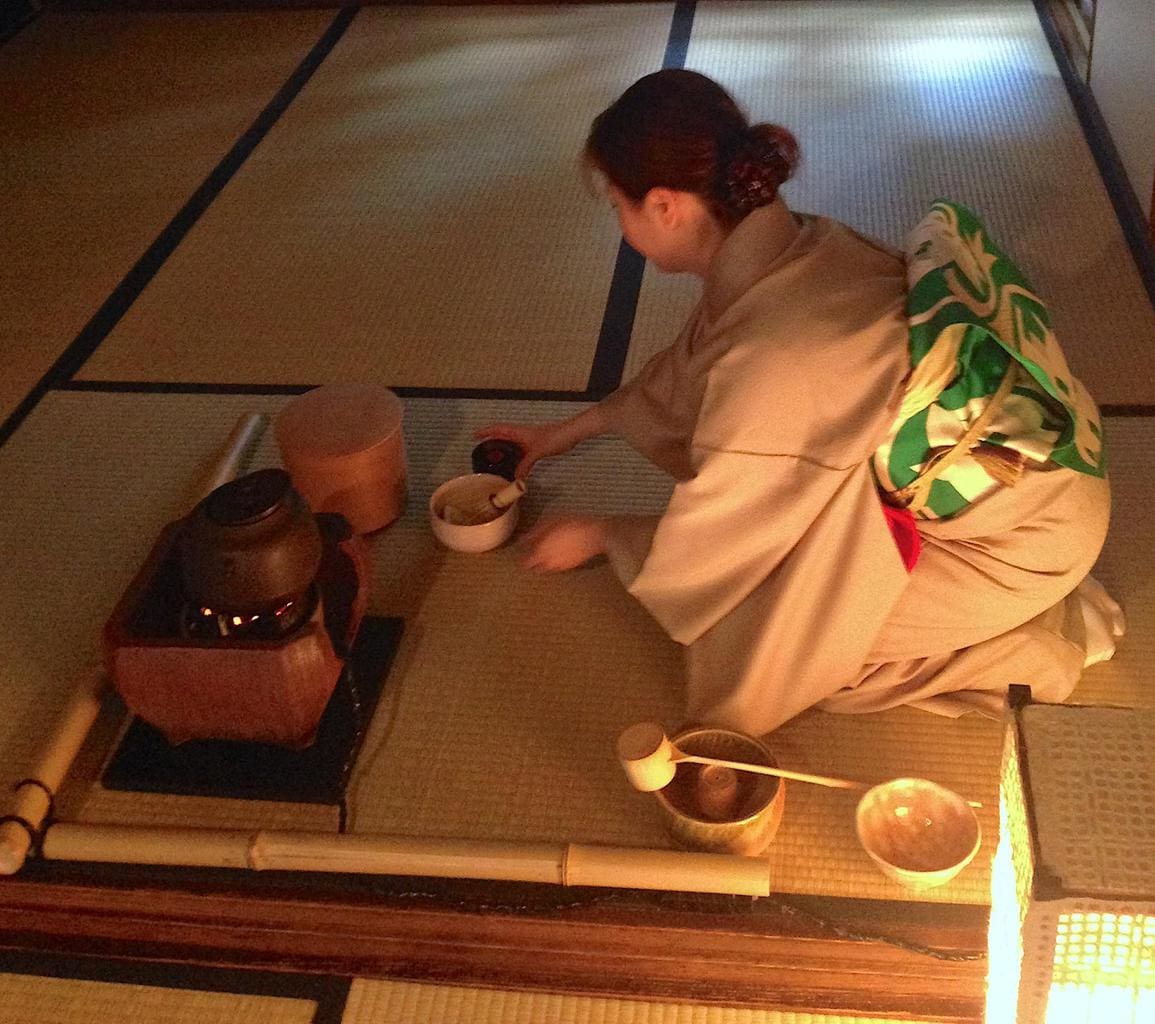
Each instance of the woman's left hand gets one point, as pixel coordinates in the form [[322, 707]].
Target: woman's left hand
[[558, 543]]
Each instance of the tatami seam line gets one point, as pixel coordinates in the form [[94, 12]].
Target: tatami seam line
[[614, 337], [129, 387], [405, 391]]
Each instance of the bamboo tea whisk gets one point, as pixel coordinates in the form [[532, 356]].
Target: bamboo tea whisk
[[472, 510]]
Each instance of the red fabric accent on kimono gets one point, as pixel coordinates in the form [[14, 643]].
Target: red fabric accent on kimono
[[905, 533]]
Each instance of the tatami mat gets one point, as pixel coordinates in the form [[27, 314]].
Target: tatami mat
[[513, 687], [28, 999], [110, 122], [100, 806], [348, 241], [665, 302], [416, 217], [1125, 569], [417, 213], [509, 688], [896, 104], [399, 1002]]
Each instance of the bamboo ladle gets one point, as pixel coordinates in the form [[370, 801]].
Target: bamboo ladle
[[651, 760]]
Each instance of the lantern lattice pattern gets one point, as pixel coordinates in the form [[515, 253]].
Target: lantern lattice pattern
[[1072, 938]]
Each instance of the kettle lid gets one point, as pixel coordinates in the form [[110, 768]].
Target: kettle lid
[[248, 499]]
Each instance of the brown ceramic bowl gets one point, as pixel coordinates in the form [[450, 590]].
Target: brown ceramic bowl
[[918, 833], [757, 809]]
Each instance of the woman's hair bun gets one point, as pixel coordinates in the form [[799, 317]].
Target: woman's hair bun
[[678, 129], [762, 158]]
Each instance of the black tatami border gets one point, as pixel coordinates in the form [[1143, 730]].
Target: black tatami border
[[1128, 210], [329, 992], [15, 20], [607, 366], [1128, 411], [609, 362], [122, 387]]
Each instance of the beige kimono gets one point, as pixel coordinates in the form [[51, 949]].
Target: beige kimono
[[773, 563]]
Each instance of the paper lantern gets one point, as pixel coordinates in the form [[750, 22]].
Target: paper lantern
[[1072, 931]]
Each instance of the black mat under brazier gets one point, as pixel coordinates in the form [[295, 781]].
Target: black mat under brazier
[[146, 762]]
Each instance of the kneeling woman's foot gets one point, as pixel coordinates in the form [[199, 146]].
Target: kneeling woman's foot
[[1103, 621]]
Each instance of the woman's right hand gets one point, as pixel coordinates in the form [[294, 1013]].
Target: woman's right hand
[[547, 439], [538, 441]]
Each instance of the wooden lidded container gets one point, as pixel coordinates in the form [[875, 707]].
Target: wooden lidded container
[[344, 449]]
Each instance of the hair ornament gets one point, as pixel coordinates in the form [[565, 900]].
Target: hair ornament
[[753, 173]]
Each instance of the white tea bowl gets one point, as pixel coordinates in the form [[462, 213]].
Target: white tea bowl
[[471, 491]]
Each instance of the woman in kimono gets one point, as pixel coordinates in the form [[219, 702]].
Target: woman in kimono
[[781, 562]]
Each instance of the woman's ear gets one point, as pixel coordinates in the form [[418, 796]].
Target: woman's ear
[[664, 206]]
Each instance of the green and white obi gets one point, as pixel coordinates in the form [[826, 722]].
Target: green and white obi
[[989, 388]]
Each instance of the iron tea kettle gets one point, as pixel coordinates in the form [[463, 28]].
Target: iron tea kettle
[[251, 546]]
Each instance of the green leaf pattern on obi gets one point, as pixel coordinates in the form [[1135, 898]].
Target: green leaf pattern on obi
[[973, 320]]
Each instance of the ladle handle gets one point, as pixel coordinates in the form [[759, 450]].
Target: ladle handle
[[765, 769], [228, 461], [782, 773]]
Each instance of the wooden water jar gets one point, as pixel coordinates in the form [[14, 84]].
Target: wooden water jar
[[344, 449]]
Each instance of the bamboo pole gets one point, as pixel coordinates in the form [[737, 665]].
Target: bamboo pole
[[32, 801], [34, 795], [228, 460], [326, 852]]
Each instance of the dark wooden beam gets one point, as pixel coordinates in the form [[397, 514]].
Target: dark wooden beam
[[240, 5], [798, 954]]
